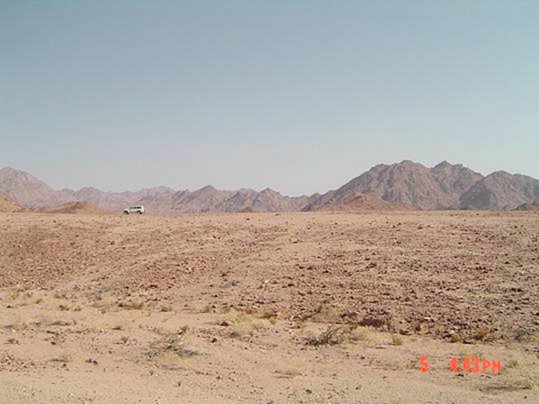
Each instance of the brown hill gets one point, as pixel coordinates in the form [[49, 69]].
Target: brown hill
[[529, 206], [501, 191], [411, 184], [356, 202], [7, 205], [27, 190], [155, 199], [267, 200], [74, 208]]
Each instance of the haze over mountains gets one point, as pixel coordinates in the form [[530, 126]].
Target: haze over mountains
[[404, 185]]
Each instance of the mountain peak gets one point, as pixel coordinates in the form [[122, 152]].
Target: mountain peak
[[443, 164]]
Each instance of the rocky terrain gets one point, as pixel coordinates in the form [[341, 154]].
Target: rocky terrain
[[260, 307], [402, 185]]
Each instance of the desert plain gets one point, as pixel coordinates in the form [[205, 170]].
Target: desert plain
[[269, 307]]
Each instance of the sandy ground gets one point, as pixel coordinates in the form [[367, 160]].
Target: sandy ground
[[270, 308]]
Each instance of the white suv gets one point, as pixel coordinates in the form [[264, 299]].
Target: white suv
[[134, 209]]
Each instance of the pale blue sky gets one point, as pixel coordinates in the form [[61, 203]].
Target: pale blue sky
[[299, 96]]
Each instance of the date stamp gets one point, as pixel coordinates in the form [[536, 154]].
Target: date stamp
[[466, 364]]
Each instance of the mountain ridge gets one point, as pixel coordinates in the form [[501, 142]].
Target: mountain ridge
[[403, 185]]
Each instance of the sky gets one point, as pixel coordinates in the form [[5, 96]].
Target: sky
[[298, 96]]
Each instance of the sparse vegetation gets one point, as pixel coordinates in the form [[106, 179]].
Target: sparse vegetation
[[290, 372], [522, 383], [455, 337], [512, 364], [58, 322], [18, 325], [132, 304], [64, 357], [205, 309], [171, 343], [396, 340], [338, 334], [482, 332]]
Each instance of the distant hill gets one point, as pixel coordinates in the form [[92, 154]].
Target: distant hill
[[393, 186], [73, 208], [28, 190], [8, 205], [501, 191], [411, 184], [445, 186], [355, 202]]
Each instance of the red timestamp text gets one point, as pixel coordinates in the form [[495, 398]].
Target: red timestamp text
[[466, 364]]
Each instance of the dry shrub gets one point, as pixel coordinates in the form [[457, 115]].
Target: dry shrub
[[456, 337], [170, 343], [482, 332], [326, 313], [132, 304], [18, 325], [225, 309], [396, 340], [522, 383], [290, 373], [64, 357], [63, 307], [338, 334], [205, 309], [267, 314], [513, 363], [242, 330], [59, 323], [168, 331], [245, 326]]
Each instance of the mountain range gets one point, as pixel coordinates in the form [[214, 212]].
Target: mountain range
[[404, 185]]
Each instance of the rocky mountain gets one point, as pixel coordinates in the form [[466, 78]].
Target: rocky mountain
[[267, 200], [501, 191], [385, 186], [31, 192], [445, 186], [153, 197], [411, 184], [27, 190]]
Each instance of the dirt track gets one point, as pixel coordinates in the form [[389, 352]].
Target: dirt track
[[433, 278]]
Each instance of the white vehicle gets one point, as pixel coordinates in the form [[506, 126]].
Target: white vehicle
[[134, 209]]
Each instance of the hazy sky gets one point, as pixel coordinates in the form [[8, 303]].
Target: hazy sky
[[299, 96]]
